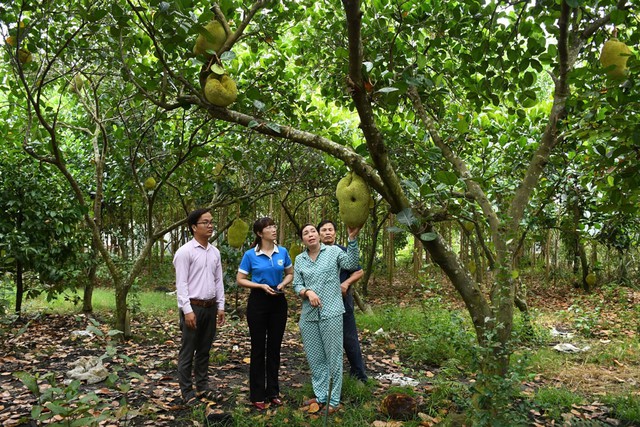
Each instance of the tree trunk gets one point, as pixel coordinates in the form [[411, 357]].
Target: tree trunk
[[364, 307], [89, 285], [19, 287]]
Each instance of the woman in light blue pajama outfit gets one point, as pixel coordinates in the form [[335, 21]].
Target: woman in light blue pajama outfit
[[316, 278]]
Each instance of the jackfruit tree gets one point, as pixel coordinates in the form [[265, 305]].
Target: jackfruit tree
[[448, 110]]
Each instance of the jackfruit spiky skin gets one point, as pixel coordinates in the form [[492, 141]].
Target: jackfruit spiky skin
[[149, 183], [213, 39], [221, 92], [76, 84], [24, 56], [354, 200], [294, 251], [399, 406], [237, 233], [591, 279], [616, 53]]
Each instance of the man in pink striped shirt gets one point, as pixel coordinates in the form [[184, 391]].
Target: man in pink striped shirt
[[201, 303]]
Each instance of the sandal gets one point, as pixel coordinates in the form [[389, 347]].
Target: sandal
[[333, 409], [311, 402]]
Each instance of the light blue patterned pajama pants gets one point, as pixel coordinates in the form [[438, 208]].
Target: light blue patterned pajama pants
[[322, 341]]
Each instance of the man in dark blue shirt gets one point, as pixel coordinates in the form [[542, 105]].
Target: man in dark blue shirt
[[351, 344]]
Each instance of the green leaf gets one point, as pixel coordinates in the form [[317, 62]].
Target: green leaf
[[387, 90], [274, 127], [446, 177], [28, 380], [253, 124], [217, 70], [428, 237], [229, 55], [406, 217]]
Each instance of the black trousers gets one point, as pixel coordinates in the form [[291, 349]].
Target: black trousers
[[194, 350], [267, 318], [350, 339]]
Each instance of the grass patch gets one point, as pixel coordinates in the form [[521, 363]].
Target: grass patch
[[626, 407], [425, 335], [556, 401], [103, 300]]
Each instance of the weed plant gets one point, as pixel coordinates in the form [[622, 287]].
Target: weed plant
[[556, 401]]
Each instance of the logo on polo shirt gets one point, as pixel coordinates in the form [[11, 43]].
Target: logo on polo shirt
[[280, 262]]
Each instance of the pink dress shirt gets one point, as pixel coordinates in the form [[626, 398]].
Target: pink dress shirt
[[198, 274]]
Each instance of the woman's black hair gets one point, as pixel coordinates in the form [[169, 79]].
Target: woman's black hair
[[260, 225], [303, 227]]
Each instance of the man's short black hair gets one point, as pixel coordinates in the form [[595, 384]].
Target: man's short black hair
[[324, 222], [194, 216]]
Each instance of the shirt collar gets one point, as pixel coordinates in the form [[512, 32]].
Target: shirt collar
[[322, 248], [259, 251], [197, 244]]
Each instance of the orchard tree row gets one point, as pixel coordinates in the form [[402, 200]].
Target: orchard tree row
[[510, 119]]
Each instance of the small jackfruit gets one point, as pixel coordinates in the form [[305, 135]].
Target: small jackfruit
[[237, 233], [149, 183], [11, 41], [591, 279], [294, 251], [24, 56], [354, 200], [469, 226], [221, 92], [76, 84], [212, 38], [615, 53]]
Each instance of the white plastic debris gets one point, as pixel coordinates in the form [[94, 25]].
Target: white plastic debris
[[379, 332], [89, 369], [81, 334], [570, 348], [563, 334], [397, 379]]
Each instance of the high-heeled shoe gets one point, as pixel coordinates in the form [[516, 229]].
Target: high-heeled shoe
[[260, 406], [276, 401]]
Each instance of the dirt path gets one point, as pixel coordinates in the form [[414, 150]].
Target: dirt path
[[50, 343]]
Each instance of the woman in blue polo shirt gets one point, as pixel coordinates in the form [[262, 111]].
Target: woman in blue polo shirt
[[266, 269]]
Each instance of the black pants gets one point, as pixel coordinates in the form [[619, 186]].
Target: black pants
[[194, 350], [267, 318], [350, 339]]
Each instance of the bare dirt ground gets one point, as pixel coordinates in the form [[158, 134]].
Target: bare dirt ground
[[42, 344]]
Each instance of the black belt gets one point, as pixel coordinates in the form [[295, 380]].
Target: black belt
[[203, 302]]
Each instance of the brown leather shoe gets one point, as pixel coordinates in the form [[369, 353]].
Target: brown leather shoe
[[276, 401]]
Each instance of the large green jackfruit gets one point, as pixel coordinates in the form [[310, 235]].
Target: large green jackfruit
[[220, 91], [237, 233], [354, 200], [212, 38]]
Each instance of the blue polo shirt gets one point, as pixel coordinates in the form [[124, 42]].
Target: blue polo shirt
[[264, 269]]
